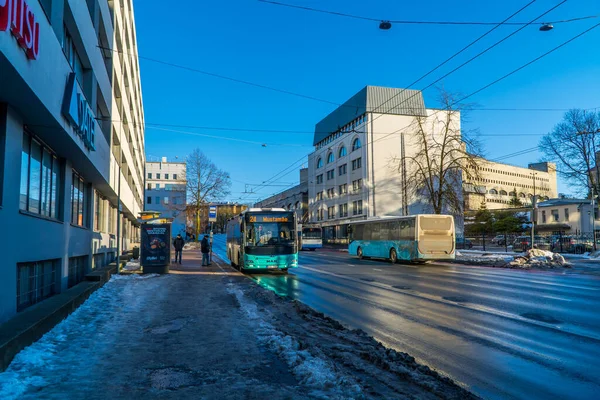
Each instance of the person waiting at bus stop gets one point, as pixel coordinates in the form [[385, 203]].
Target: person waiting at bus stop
[[205, 248], [178, 246]]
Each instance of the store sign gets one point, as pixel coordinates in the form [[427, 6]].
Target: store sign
[[77, 110], [17, 16]]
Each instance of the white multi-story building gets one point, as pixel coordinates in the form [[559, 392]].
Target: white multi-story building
[[351, 173], [71, 143], [499, 184], [166, 192]]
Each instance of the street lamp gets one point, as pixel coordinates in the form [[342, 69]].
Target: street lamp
[[533, 216]]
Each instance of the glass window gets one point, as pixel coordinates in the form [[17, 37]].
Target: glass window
[[342, 152], [319, 162], [330, 174], [77, 267], [356, 144], [567, 214], [555, 215], [357, 163], [35, 170], [149, 175], [78, 201], [342, 169], [149, 200], [24, 194], [330, 158], [543, 216], [36, 281], [157, 176], [166, 200], [175, 177], [166, 176], [157, 200]]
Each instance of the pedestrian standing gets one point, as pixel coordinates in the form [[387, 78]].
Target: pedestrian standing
[[178, 245], [205, 248]]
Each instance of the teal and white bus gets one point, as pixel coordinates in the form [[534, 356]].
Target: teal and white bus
[[263, 239], [415, 238], [311, 237]]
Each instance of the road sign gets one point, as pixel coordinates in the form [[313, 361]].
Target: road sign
[[212, 214]]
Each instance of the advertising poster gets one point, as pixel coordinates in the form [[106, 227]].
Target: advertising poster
[[156, 245]]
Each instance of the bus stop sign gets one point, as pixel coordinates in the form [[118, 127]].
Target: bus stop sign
[[212, 214]]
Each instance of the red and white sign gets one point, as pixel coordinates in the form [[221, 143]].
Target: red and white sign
[[17, 16]]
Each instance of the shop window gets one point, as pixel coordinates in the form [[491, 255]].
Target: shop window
[[39, 179], [36, 281], [77, 267]]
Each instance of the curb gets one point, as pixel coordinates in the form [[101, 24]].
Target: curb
[[30, 325]]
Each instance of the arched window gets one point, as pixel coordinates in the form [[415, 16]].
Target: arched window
[[297, 206], [530, 196], [289, 207], [356, 144], [319, 162], [513, 194], [342, 152], [503, 193], [330, 158], [522, 195], [493, 191]]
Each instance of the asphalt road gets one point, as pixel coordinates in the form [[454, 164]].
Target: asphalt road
[[501, 333]]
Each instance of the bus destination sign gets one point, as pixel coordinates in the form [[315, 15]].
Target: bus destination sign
[[266, 218]]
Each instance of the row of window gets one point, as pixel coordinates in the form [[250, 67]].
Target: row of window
[[357, 209], [166, 186], [158, 176], [165, 200], [555, 215], [513, 184], [342, 170], [498, 171], [356, 144], [349, 127], [342, 189], [514, 194]]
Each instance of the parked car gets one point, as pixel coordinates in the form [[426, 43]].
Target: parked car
[[523, 243], [463, 243], [501, 240]]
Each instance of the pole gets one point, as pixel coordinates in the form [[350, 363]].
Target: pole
[[119, 213], [593, 213], [403, 157], [533, 213]]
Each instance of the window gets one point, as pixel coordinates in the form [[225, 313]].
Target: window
[[567, 214], [319, 179], [342, 169], [357, 163], [330, 193], [149, 175], [330, 174], [36, 281], [543, 217], [331, 212], [99, 212], [77, 267], [522, 195], [555, 215], [157, 200], [503, 193], [356, 144], [149, 200], [342, 152], [319, 196], [149, 186], [174, 177], [79, 199], [343, 189], [157, 176], [72, 55], [493, 191], [39, 179], [98, 260], [357, 185], [357, 207], [330, 158], [166, 176], [166, 200], [175, 200], [319, 162], [343, 210], [320, 215]]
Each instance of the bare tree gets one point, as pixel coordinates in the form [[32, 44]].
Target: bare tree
[[443, 155], [573, 144], [205, 183]]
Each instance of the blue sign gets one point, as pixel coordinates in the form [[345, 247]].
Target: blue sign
[[212, 213], [77, 110]]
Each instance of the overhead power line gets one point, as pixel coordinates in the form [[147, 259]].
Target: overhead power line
[[416, 22]]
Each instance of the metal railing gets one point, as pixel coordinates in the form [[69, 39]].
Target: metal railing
[[521, 241]]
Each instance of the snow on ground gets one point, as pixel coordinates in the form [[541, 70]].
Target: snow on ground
[[533, 258], [191, 246], [132, 265]]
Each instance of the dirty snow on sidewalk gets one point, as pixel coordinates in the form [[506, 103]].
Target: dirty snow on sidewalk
[[532, 258]]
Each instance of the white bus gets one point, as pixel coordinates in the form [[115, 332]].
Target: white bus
[[415, 238], [311, 237]]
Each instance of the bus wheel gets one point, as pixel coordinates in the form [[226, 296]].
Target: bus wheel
[[393, 256], [231, 259], [359, 253]]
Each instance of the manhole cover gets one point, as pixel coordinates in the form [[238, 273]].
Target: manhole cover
[[171, 378], [541, 317], [456, 299]]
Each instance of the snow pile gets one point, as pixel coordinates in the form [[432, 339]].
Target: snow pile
[[539, 258], [311, 370], [132, 265]]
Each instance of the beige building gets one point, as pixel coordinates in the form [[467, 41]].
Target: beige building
[[568, 216], [497, 184]]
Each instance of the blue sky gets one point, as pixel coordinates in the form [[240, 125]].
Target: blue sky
[[331, 58]]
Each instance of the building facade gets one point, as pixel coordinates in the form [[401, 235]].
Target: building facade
[[225, 211], [567, 216], [70, 175], [499, 184], [166, 192], [293, 199], [351, 172]]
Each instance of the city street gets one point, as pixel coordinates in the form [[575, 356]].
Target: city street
[[501, 333]]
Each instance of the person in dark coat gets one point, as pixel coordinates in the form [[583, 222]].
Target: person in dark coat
[[178, 245], [205, 248]]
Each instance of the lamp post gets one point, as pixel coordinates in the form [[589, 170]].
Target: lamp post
[[533, 216]]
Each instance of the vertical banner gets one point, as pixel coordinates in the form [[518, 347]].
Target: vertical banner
[[156, 245]]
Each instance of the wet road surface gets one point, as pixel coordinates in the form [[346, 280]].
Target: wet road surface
[[501, 333]]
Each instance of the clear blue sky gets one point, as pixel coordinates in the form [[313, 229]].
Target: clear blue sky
[[332, 58]]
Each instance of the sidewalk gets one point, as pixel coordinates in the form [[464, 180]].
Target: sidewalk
[[210, 333]]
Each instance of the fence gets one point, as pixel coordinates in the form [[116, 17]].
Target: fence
[[520, 242]]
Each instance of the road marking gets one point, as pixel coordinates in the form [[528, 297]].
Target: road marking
[[376, 269]]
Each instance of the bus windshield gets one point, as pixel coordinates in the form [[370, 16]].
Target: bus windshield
[[270, 233], [311, 233]]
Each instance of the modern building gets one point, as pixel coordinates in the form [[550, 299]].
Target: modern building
[[166, 192], [350, 172], [295, 198], [71, 143], [567, 216], [499, 184]]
